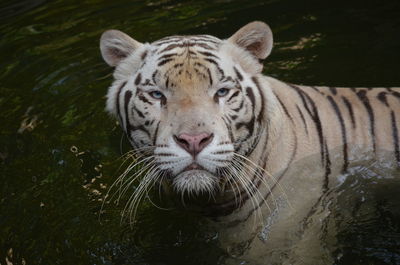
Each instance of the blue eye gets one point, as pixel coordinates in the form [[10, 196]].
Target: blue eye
[[222, 92], [156, 94]]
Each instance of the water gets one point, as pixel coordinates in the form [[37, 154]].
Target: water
[[59, 150]]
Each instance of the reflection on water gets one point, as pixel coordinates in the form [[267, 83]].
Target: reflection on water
[[365, 219], [59, 151]]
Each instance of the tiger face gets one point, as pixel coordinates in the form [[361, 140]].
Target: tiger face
[[191, 103]]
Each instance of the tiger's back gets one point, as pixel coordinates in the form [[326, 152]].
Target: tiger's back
[[362, 121]]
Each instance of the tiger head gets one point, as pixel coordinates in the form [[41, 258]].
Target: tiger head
[[193, 104]]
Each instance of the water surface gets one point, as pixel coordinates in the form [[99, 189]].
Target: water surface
[[59, 150]]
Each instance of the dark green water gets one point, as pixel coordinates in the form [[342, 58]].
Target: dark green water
[[59, 150]]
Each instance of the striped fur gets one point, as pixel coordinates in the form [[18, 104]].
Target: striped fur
[[267, 134]]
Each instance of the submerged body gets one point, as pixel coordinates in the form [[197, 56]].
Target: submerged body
[[206, 121]]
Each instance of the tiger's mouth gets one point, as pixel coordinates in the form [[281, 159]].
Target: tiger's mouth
[[195, 180], [193, 166], [196, 189]]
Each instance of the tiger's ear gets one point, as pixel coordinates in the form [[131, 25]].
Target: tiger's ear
[[116, 46], [256, 38]]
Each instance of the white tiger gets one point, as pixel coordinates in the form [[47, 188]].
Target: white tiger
[[204, 120]]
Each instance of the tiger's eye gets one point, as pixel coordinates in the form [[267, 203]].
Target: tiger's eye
[[156, 94], [222, 92]]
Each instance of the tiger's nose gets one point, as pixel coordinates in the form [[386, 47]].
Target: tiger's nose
[[193, 143]]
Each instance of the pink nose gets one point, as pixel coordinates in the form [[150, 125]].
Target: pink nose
[[193, 143]]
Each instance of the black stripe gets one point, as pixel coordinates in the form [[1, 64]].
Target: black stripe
[[144, 54], [136, 110], [240, 106], [128, 95], [139, 94], [396, 94], [350, 109], [364, 99], [218, 68], [170, 47], [192, 54], [156, 133], [229, 130], [222, 152], [146, 82], [177, 65], [160, 42], [238, 74], [333, 90], [302, 118], [382, 98], [316, 89], [255, 141], [169, 39], [250, 94], [302, 97], [249, 126], [165, 61], [208, 54], [318, 126], [257, 84], [201, 65], [343, 130], [153, 76], [167, 82], [209, 76], [117, 101], [186, 43], [204, 45], [395, 136], [327, 167], [284, 107], [233, 95], [228, 78], [313, 112], [205, 39], [165, 154], [166, 56], [138, 79]]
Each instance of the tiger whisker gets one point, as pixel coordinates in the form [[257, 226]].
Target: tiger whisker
[[237, 186], [119, 180], [244, 180], [257, 199], [130, 154], [258, 176], [136, 197], [228, 179], [131, 166], [152, 176], [254, 199], [269, 174], [128, 182], [159, 176], [135, 152]]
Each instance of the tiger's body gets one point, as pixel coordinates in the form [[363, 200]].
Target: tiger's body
[[206, 120]]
